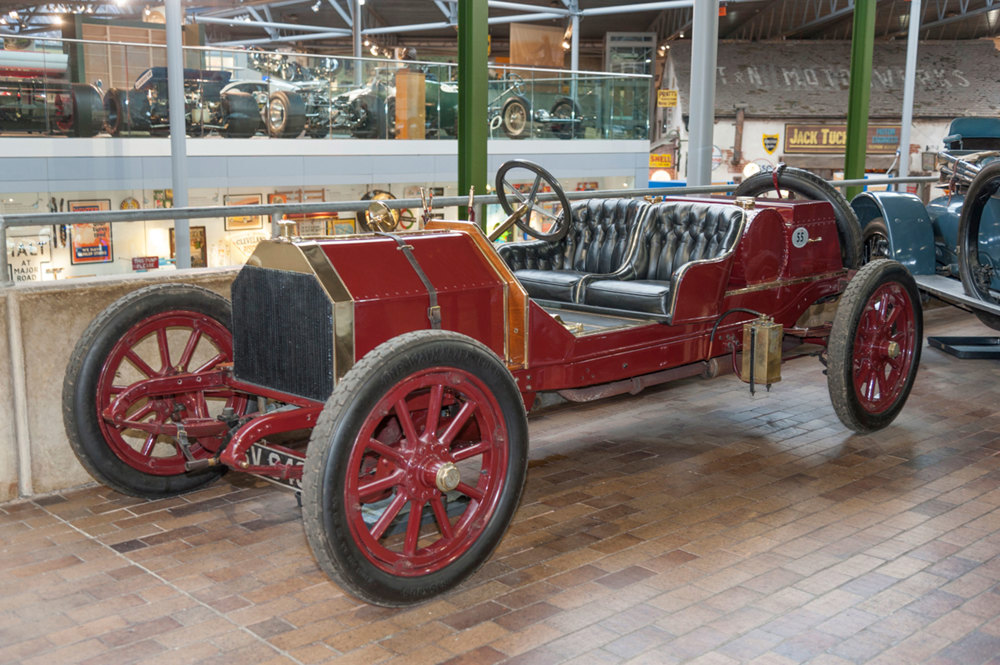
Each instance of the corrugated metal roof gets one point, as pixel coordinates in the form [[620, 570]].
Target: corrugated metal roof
[[809, 79]]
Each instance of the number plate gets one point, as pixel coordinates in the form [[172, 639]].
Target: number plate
[[260, 455]]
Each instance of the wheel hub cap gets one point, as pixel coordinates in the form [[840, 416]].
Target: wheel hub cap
[[448, 477], [893, 350]]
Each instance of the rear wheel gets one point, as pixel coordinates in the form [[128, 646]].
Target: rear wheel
[[158, 331], [799, 183], [125, 110], [240, 114], [415, 467], [515, 117], [875, 241], [87, 110], [568, 110], [875, 346], [286, 114]]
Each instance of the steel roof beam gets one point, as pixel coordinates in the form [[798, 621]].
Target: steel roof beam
[[518, 7], [264, 25], [343, 14], [821, 21]]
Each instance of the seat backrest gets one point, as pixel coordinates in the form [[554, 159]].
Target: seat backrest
[[598, 241], [678, 232]]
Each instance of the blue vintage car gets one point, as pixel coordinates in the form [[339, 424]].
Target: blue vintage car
[[951, 245]]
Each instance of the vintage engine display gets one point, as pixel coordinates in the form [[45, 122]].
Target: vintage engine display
[[387, 375], [34, 96]]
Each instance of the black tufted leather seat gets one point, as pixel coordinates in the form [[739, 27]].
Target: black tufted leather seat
[[673, 233], [598, 241]]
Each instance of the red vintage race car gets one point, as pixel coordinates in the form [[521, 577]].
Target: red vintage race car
[[388, 375]]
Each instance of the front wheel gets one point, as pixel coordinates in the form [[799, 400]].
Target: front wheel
[[157, 331], [875, 346], [286, 114], [515, 117], [415, 468]]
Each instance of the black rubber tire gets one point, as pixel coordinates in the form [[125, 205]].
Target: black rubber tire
[[88, 110], [515, 117], [126, 110], [80, 410], [292, 119], [560, 230], [875, 241], [813, 187], [240, 115], [566, 108], [970, 265], [842, 351], [323, 505]]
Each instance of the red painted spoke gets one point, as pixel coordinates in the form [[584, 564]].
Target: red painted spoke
[[406, 422], [211, 363], [114, 390], [457, 423], [146, 409], [163, 344], [189, 348], [140, 364], [413, 528], [471, 451], [469, 491], [147, 448], [388, 516], [375, 487], [434, 409], [386, 451], [894, 315], [441, 516]]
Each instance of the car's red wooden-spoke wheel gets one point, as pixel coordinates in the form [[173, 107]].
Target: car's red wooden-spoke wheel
[[415, 467], [874, 347], [435, 438], [166, 344], [883, 347]]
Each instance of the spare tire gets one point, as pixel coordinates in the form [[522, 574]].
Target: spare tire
[[810, 186], [975, 266]]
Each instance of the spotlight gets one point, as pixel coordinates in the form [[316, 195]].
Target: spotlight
[[315, 7], [565, 45], [367, 42], [373, 50]]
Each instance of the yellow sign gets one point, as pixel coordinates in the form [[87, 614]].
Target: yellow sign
[[770, 142], [666, 99], [661, 161], [832, 139]]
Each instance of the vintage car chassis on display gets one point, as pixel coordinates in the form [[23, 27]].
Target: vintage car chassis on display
[[388, 375]]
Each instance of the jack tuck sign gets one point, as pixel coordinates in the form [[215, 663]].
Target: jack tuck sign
[[832, 139]]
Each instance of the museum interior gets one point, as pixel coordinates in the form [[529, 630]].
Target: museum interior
[[483, 331]]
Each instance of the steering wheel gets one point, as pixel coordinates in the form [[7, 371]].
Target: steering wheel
[[516, 82], [512, 200]]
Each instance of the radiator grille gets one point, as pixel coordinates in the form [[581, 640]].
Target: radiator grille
[[283, 332]]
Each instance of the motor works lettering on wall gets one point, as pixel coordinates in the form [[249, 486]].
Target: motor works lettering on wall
[[804, 138]]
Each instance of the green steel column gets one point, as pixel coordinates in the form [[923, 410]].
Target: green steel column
[[473, 30], [859, 94]]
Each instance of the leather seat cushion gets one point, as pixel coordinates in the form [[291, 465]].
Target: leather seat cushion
[[550, 284], [644, 295]]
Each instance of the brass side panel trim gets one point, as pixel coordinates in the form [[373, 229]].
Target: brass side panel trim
[[764, 286]]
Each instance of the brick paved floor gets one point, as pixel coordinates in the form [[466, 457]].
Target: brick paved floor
[[688, 524]]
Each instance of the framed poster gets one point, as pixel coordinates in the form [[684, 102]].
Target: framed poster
[[244, 222], [90, 243], [199, 249], [163, 198], [339, 227], [313, 224]]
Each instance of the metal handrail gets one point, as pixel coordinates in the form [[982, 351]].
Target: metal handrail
[[277, 210]]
